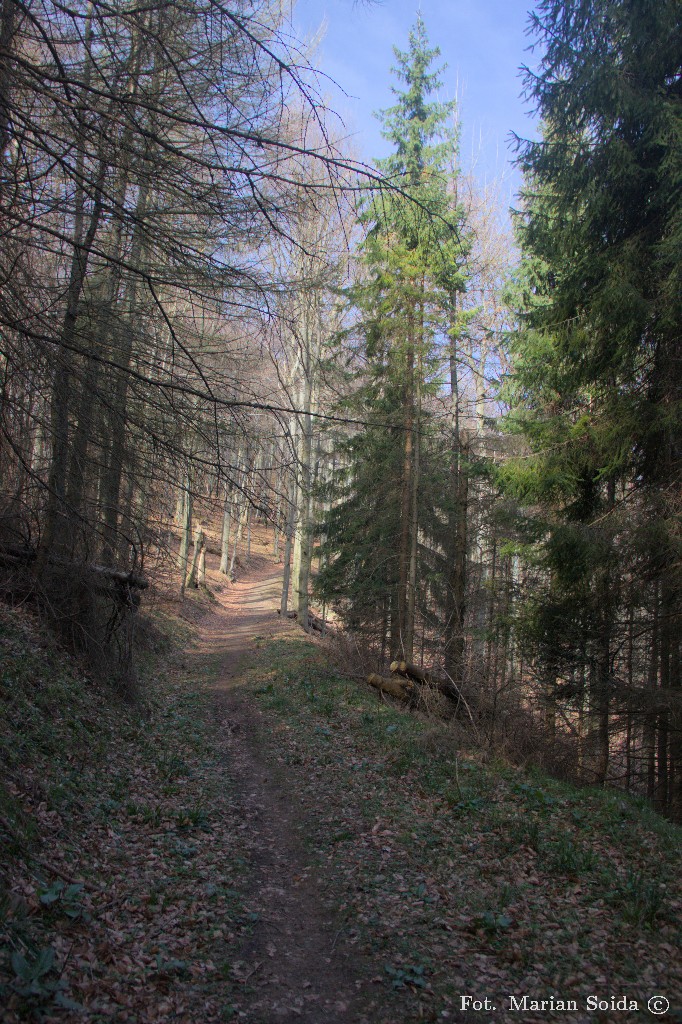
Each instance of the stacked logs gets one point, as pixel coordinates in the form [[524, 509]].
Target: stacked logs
[[406, 680]]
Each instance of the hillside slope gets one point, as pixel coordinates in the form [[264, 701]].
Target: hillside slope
[[265, 840]]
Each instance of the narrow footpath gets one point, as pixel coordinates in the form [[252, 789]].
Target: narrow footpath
[[295, 962]]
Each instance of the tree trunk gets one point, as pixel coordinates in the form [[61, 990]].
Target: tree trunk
[[225, 537], [601, 680], [201, 572], [666, 644], [455, 607], [275, 530], [288, 543], [8, 23], [424, 676], [228, 514], [192, 577], [649, 732], [676, 716], [186, 533], [119, 420], [55, 530], [414, 510], [401, 689], [303, 536], [406, 495], [237, 537]]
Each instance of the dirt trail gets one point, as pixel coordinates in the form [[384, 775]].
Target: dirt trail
[[295, 966]]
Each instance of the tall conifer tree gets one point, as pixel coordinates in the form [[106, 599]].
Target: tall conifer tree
[[410, 253], [597, 380]]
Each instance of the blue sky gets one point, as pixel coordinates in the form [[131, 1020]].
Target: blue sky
[[483, 43]]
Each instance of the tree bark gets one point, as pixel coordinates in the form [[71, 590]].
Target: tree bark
[[186, 533], [8, 23], [649, 732], [406, 495], [199, 541], [427, 678], [403, 691], [455, 607], [288, 543], [54, 534], [414, 501]]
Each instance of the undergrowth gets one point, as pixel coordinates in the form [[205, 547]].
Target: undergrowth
[[125, 874], [121, 883], [466, 875]]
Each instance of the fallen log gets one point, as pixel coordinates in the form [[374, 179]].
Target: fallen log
[[427, 678], [129, 579], [16, 556], [24, 556], [422, 675], [404, 691], [316, 623]]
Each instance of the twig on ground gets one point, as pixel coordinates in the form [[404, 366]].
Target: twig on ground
[[251, 972]]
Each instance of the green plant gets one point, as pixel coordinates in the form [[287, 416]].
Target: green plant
[[492, 923], [31, 975], [193, 817], [172, 767], [535, 797], [641, 899], [564, 857], [465, 805], [409, 976], [32, 981], [151, 816], [170, 966], [65, 898]]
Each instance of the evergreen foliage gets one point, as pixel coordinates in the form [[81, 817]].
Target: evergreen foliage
[[412, 258], [596, 383]]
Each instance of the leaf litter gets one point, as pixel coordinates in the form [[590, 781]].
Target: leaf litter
[[270, 843]]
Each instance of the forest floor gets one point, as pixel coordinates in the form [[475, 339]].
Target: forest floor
[[268, 841]]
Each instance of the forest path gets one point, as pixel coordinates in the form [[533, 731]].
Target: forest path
[[294, 965]]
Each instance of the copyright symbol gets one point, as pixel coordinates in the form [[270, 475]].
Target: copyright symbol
[[659, 1004]]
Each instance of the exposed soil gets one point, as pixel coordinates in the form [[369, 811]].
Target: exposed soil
[[295, 966]]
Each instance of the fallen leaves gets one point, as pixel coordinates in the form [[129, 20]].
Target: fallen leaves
[[523, 893], [503, 886], [158, 896]]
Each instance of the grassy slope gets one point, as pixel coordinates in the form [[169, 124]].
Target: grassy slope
[[461, 878], [449, 876], [131, 804]]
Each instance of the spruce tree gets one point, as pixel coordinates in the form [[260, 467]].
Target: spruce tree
[[596, 388], [410, 260]]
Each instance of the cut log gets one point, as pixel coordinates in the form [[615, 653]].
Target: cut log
[[426, 678], [402, 690], [422, 675]]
